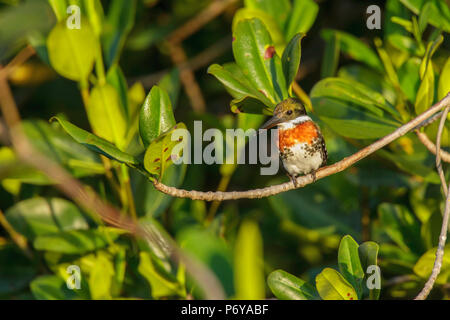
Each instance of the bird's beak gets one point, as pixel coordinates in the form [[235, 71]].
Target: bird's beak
[[272, 122]]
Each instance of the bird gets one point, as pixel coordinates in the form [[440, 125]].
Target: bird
[[300, 141]]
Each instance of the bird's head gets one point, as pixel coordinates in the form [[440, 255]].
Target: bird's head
[[286, 110]]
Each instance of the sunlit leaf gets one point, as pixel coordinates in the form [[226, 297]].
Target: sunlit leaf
[[72, 51], [301, 18], [349, 263], [331, 285], [425, 264], [368, 253]]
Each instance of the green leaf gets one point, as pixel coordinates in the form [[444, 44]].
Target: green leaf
[[331, 56], [161, 285], [156, 116], [72, 52], [118, 23], [354, 47], [255, 54], [368, 252], [349, 263], [425, 95], [401, 226], [159, 156], [248, 263], [331, 285], [236, 83], [353, 92], [116, 79], [348, 121], [387, 62], [409, 78], [94, 11], [96, 144], [291, 58], [170, 83], [286, 286], [413, 5], [444, 81], [40, 216], [106, 115], [51, 287], [59, 8], [212, 250], [16, 271], [101, 277], [436, 13], [425, 264], [250, 105], [271, 24], [301, 18], [278, 10], [77, 241]]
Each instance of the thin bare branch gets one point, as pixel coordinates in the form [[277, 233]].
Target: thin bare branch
[[445, 156], [192, 26], [305, 180], [443, 235]]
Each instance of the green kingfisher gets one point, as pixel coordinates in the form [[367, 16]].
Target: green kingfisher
[[300, 142]]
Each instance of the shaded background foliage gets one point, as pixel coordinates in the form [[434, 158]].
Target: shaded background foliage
[[392, 198]]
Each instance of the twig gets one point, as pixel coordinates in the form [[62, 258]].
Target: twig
[[445, 219], [305, 180], [25, 54], [187, 78], [205, 16], [18, 239], [204, 58], [445, 156]]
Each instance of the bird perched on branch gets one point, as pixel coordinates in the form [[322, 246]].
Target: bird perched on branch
[[300, 142]]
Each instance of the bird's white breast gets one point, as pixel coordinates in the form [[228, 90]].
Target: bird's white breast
[[300, 159]]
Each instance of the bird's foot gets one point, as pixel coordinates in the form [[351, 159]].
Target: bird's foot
[[294, 180], [313, 175]]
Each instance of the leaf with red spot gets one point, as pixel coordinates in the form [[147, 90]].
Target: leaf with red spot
[[159, 155], [331, 285]]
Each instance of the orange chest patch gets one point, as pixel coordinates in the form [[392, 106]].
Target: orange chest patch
[[304, 132]]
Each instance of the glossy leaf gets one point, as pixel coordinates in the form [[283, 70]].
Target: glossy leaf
[[94, 12], [286, 286], [368, 253], [95, 143], [331, 285], [77, 241], [271, 24], [170, 83], [353, 92], [156, 116], [349, 263], [355, 48], [348, 121], [236, 83], [250, 105], [72, 51], [255, 54], [248, 257], [159, 156], [40, 216], [291, 58], [278, 10], [301, 18]]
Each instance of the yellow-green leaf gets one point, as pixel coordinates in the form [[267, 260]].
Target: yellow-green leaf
[[331, 285], [72, 51]]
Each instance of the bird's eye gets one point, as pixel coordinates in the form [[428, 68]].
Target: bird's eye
[[289, 112]]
